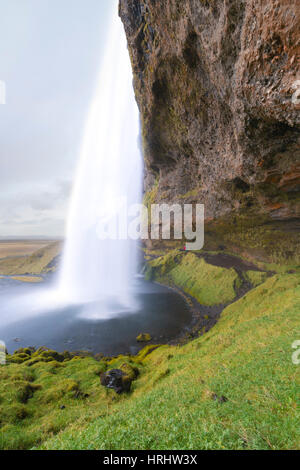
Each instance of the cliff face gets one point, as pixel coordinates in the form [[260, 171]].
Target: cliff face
[[215, 82]]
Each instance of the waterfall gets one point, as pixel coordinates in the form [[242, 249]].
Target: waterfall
[[95, 276], [109, 172]]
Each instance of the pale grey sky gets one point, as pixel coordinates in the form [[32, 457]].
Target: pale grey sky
[[50, 56]]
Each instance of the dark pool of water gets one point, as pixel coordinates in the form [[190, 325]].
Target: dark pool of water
[[161, 312]]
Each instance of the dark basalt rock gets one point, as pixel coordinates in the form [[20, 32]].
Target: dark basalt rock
[[220, 399], [216, 84], [117, 380]]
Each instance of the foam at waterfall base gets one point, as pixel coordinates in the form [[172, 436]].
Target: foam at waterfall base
[[107, 308]]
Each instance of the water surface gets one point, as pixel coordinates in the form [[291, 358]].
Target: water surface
[[159, 311]]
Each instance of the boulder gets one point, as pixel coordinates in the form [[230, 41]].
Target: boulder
[[117, 380], [143, 338]]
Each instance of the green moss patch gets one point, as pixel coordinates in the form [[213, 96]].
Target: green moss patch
[[38, 401], [256, 277], [210, 285], [234, 388], [30, 356], [143, 338]]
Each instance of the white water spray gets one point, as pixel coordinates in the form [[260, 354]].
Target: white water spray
[[109, 170]]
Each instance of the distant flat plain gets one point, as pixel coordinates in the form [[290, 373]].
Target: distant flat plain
[[19, 257], [10, 248]]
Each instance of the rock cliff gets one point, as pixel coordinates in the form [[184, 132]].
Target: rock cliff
[[218, 86]]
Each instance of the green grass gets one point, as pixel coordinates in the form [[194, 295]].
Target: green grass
[[32, 394], [26, 421], [210, 285], [34, 385], [246, 358], [256, 277]]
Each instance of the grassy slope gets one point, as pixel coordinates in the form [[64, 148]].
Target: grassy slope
[[31, 398], [210, 285], [245, 357], [33, 264], [256, 277], [20, 247], [34, 387]]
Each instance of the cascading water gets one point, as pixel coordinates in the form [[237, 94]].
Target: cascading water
[[93, 304], [96, 274], [109, 173]]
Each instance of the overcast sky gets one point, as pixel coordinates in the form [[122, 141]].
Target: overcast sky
[[50, 56]]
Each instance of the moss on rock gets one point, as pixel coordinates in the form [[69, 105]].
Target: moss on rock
[[146, 351], [30, 356], [18, 358], [256, 277], [143, 338], [131, 371], [210, 285]]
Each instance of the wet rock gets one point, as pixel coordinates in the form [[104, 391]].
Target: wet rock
[[116, 380], [220, 399]]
